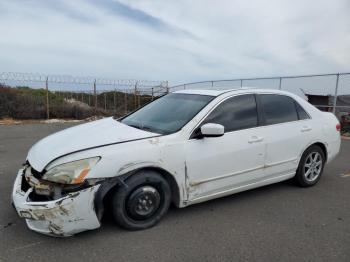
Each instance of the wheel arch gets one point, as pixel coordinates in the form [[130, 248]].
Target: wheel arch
[[315, 143], [103, 195], [323, 147]]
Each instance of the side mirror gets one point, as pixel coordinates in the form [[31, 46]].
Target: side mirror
[[211, 130]]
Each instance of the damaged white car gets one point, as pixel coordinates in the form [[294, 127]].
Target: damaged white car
[[184, 148]]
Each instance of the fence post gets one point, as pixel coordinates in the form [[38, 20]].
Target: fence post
[[105, 101], [114, 99], [280, 84], [184, 86], [135, 96], [95, 96], [126, 101], [241, 83], [152, 94], [47, 98], [139, 99], [167, 87], [335, 94], [212, 83]]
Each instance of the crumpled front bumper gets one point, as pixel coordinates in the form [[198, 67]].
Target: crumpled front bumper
[[66, 216]]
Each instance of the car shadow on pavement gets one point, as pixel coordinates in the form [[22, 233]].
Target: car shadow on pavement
[[183, 214]]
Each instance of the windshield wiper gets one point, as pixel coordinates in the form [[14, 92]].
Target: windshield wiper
[[141, 127], [146, 128], [135, 126]]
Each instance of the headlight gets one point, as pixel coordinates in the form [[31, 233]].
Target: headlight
[[72, 172]]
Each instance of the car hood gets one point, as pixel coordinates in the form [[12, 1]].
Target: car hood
[[90, 135]]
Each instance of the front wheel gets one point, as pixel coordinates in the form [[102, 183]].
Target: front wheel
[[310, 167], [142, 201]]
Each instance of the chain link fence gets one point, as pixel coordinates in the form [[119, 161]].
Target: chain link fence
[[328, 92], [28, 96]]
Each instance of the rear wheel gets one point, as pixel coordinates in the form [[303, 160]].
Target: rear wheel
[[310, 167], [142, 201]]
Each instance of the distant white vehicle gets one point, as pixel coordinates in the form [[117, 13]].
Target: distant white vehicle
[[186, 147]]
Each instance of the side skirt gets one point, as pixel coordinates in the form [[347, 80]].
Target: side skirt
[[239, 189]]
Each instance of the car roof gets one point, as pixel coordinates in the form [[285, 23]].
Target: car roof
[[211, 92]]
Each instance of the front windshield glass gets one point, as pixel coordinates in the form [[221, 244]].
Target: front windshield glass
[[167, 114]]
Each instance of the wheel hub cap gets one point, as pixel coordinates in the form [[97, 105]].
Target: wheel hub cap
[[143, 202]]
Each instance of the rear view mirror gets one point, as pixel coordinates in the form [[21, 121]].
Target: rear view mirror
[[212, 130]]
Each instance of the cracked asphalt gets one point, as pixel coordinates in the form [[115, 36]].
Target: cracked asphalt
[[279, 222]]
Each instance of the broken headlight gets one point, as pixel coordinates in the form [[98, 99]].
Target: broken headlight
[[72, 172]]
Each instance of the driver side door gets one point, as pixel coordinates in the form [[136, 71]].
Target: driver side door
[[218, 164]]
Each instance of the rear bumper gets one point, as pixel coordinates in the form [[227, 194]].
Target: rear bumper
[[66, 216]]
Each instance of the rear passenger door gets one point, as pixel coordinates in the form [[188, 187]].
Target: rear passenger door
[[286, 128]]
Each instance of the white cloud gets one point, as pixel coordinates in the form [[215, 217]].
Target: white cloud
[[175, 40]]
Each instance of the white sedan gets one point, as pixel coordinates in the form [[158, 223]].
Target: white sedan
[[184, 148]]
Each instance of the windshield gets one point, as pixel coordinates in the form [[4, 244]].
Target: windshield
[[167, 114]]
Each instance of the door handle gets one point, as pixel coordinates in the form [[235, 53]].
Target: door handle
[[255, 139], [305, 129]]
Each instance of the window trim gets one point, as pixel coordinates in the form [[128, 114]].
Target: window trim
[[192, 133]]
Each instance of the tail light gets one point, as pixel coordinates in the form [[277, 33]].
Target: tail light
[[338, 127]]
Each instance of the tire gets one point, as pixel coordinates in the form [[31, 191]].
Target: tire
[[142, 201], [310, 167]]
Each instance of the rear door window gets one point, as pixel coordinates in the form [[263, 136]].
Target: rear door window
[[278, 109]]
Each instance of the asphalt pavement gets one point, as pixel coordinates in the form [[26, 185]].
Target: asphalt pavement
[[279, 222]]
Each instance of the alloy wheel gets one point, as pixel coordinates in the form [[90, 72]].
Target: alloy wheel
[[313, 166]]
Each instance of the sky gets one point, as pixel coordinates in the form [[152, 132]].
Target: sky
[[179, 41]]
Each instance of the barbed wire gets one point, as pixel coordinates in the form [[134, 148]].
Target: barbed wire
[[68, 79], [277, 78]]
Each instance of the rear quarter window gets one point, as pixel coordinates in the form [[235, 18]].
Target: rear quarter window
[[301, 112]]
